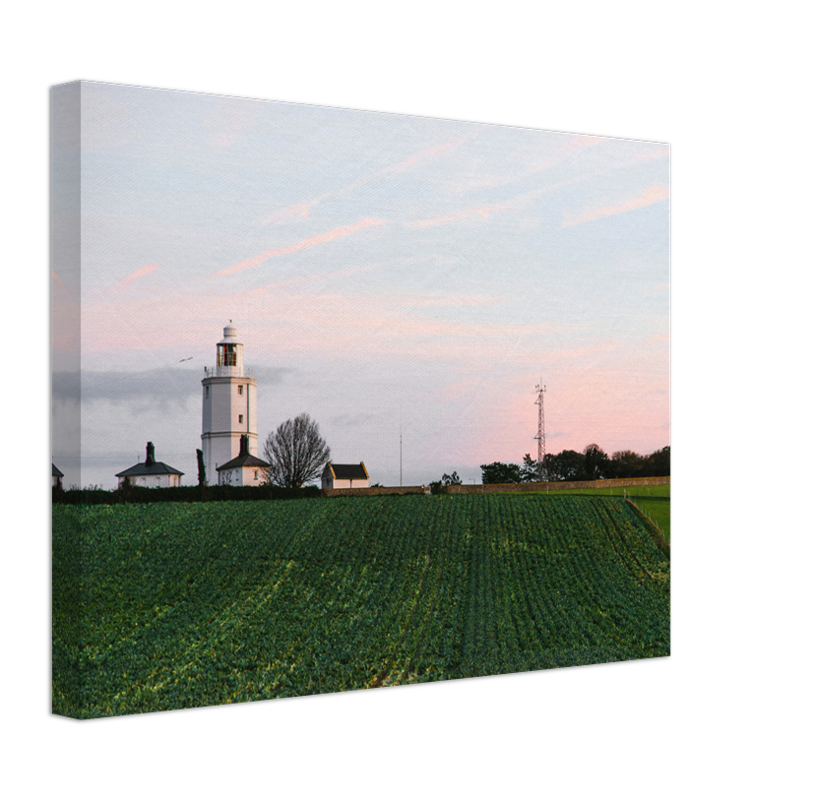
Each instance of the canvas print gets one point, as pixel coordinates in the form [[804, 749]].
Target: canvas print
[[349, 400]]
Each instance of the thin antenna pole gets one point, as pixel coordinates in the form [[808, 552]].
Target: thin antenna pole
[[400, 455], [540, 390]]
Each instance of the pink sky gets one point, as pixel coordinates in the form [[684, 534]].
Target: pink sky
[[382, 270]]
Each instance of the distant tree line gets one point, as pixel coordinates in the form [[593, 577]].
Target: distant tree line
[[446, 480], [592, 464]]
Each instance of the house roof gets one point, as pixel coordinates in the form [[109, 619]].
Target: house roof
[[150, 466], [348, 471], [247, 460], [156, 468], [244, 457], [55, 471]]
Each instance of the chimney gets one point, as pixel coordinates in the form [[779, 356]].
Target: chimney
[[244, 445], [151, 455]]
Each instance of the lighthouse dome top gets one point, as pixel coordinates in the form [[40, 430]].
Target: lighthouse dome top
[[230, 335]]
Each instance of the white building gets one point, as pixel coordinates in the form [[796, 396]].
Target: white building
[[152, 474], [56, 475], [345, 476], [230, 406], [245, 470]]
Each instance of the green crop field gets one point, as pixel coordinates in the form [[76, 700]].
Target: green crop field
[[653, 500], [176, 605]]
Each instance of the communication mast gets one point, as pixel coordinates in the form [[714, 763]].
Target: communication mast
[[540, 390]]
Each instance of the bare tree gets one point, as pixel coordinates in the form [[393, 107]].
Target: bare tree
[[296, 452]]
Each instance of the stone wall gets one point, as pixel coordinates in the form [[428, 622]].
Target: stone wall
[[375, 490], [488, 488]]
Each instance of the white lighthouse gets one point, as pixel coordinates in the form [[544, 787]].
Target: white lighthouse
[[230, 406]]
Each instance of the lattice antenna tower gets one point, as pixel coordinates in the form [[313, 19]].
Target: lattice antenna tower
[[540, 390]]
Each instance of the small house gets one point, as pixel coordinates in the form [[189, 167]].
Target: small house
[[345, 476], [153, 474], [243, 470], [56, 476]]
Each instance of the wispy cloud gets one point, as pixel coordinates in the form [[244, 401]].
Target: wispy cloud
[[321, 276], [447, 300], [525, 199], [415, 159], [229, 120], [163, 385], [653, 194], [292, 212], [311, 241], [575, 353], [482, 211], [657, 151], [657, 339], [302, 209], [577, 145], [135, 275], [574, 144], [452, 391], [382, 324], [60, 285]]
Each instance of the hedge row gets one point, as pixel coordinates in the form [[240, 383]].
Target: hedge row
[[199, 494], [178, 494]]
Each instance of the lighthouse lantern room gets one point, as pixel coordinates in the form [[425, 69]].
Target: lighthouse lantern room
[[230, 406]]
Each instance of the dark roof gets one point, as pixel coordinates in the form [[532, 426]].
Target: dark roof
[[55, 471], [346, 471], [244, 457], [156, 468], [247, 460], [150, 466]]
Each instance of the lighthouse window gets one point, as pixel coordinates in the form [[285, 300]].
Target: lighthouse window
[[240, 417], [227, 355], [240, 390], [206, 391]]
